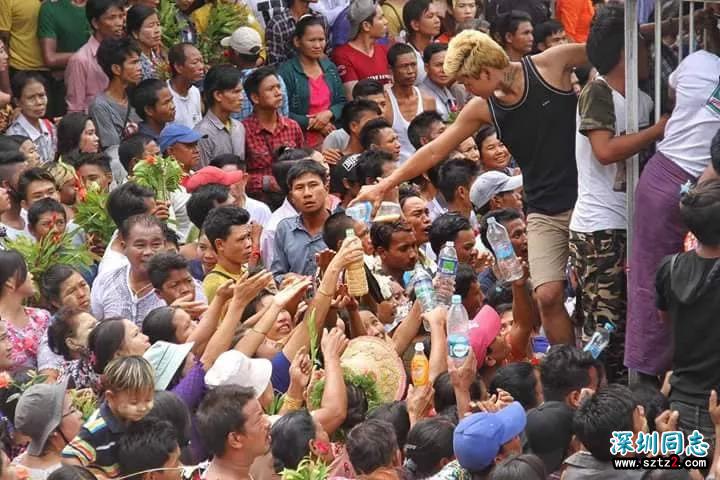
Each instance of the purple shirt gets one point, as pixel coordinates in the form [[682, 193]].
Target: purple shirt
[[84, 78]]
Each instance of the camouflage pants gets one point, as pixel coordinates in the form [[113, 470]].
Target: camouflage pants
[[599, 262]]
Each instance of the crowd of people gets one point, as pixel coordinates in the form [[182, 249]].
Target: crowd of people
[[182, 224]]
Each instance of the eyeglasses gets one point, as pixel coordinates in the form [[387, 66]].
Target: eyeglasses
[[72, 411]]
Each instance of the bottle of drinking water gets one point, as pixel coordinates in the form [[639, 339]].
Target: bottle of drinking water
[[457, 331], [599, 340], [360, 212], [508, 264], [424, 291], [445, 277]]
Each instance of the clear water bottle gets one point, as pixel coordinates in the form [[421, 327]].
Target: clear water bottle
[[424, 291], [509, 266], [445, 277], [360, 212], [458, 326], [599, 340]]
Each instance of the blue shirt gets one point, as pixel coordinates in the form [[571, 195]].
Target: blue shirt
[[247, 105], [295, 249]]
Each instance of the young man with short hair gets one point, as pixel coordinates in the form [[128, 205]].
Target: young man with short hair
[[299, 238], [494, 190], [379, 134], [11, 166], [205, 198], [396, 246], [153, 103], [94, 168], [111, 110], [45, 216], [149, 450], [549, 34], [372, 447], [453, 227], [171, 279], [565, 372], [454, 181], [186, 69], [425, 128], [266, 130], [514, 222], [35, 184], [449, 96], [84, 76], [355, 114]]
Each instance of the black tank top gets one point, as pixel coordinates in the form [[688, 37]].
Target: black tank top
[[539, 131]]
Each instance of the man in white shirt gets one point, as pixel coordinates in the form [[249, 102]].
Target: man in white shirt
[[187, 68]]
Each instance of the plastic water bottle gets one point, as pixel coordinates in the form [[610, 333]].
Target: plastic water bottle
[[360, 212], [424, 292], [356, 280], [457, 331], [447, 269], [599, 340], [508, 264]]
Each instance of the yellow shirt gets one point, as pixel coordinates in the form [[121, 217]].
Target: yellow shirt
[[20, 18], [393, 14], [215, 278]]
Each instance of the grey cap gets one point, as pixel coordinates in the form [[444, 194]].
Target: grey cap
[[490, 184], [39, 412], [360, 10]]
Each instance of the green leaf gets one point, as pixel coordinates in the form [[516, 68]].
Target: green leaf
[[223, 20], [171, 25]]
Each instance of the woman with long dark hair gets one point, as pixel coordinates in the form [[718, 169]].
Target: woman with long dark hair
[[76, 134]]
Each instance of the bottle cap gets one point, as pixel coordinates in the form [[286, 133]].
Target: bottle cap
[[609, 327], [456, 299], [491, 220], [419, 347], [450, 244], [349, 232]]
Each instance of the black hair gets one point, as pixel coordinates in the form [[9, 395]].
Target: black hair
[[203, 200], [290, 437], [146, 445], [142, 220], [464, 278], [354, 109], [115, 51], [483, 134], [36, 174], [546, 29], [428, 443], [503, 216], [432, 49], [169, 407], [412, 11], [72, 472], [218, 79], [456, 173], [606, 40], [44, 205], [381, 232], [132, 148], [62, 327], [519, 380], [563, 370], [715, 152], [652, 400], [10, 143], [176, 56], [221, 413], [367, 87], [371, 445], [396, 414], [304, 167], [94, 9], [136, 16], [444, 397], [69, 131], [369, 165], [401, 48], [128, 200], [700, 213], [609, 410], [357, 409], [508, 23], [171, 236], [146, 94], [307, 21], [21, 79], [445, 228], [370, 131], [220, 221], [280, 171], [51, 281], [519, 467], [105, 340], [224, 159], [99, 159], [252, 82], [334, 229], [420, 125], [158, 325], [161, 264]]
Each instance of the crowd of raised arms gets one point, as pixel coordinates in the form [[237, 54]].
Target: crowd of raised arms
[[358, 239]]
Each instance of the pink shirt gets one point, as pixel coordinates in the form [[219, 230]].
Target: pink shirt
[[320, 100], [84, 78]]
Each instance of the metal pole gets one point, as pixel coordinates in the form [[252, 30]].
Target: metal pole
[[691, 29], [657, 46], [679, 41], [631, 107]]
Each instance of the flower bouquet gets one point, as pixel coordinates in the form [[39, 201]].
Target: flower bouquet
[[307, 469], [84, 401], [171, 24], [7, 382], [161, 174], [224, 19], [92, 216]]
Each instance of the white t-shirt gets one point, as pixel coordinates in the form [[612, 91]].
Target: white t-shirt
[[696, 117], [259, 212], [188, 110], [601, 203]]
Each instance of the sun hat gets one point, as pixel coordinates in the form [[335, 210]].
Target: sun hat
[[236, 368], [166, 358], [39, 412]]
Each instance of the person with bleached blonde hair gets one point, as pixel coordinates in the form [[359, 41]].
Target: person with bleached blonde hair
[[532, 105]]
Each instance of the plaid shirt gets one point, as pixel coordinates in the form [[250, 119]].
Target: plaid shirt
[[279, 36], [260, 144]]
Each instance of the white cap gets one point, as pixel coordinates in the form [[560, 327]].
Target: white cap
[[419, 347], [236, 368], [245, 41], [490, 184]]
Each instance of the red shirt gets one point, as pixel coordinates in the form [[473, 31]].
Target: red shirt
[[352, 64], [261, 144]]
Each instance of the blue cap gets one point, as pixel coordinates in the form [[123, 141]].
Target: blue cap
[[479, 437], [175, 133]]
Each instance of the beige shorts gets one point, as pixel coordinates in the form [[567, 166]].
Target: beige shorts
[[548, 246]]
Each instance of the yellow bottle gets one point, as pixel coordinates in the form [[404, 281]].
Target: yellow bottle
[[420, 366], [355, 274]]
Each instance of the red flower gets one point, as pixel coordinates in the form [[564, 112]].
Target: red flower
[[30, 345], [150, 160], [5, 380], [226, 54]]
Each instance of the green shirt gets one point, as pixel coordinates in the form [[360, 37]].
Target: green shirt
[[65, 22]]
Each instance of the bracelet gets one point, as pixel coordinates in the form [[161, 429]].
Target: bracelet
[[291, 404], [319, 291]]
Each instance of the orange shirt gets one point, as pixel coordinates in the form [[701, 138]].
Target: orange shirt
[[575, 16]]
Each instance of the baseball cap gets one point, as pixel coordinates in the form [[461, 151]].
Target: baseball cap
[[244, 40], [549, 431], [490, 184], [208, 175], [166, 358], [360, 10], [175, 133], [479, 437], [482, 335], [236, 368], [39, 412]]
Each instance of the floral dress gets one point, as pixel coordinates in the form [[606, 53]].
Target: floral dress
[[25, 341]]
